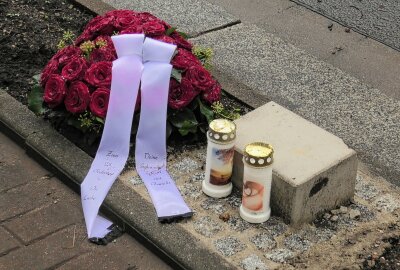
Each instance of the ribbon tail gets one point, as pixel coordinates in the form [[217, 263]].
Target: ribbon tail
[[151, 157], [113, 150]]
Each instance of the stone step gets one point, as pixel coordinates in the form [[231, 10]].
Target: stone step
[[313, 170]]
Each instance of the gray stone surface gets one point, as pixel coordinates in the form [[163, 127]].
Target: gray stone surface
[[280, 255], [190, 16], [206, 226], [317, 91], [253, 262], [228, 246], [377, 19], [370, 61], [296, 243], [264, 241], [313, 170]]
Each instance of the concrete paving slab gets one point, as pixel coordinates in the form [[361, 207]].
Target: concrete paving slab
[[313, 170], [190, 16], [367, 120], [371, 61], [378, 19]]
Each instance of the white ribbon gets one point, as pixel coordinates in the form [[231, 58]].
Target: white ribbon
[[151, 139]]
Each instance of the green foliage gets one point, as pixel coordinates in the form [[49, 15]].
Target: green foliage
[[185, 121], [221, 112], [204, 55], [176, 74], [87, 47], [35, 100], [169, 31], [67, 39], [183, 34], [206, 111]]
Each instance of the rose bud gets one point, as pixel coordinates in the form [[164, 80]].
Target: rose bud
[[99, 74], [74, 70], [77, 98], [184, 59], [213, 94], [51, 68], [99, 102], [54, 91], [199, 77], [180, 95]]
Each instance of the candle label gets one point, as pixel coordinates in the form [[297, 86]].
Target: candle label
[[253, 194], [221, 166]]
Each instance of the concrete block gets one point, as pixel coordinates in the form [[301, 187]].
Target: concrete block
[[313, 169]]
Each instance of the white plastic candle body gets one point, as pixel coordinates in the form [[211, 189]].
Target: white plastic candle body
[[219, 163], [257, 182]]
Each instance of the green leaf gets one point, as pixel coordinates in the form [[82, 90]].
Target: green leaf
[[188, 127], [183, 34], [36, 78], [176, 74], [206, 111], [35, 100], [73, 121], [170, 31], [185, 121], [100, 120]]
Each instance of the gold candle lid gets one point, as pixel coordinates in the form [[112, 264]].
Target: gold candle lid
[[258, 154], [222, 131]]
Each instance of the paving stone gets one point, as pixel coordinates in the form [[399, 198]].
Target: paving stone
[[238, 224], [136, 180], [214, 205], [387, 203], [264, 241], [316, 235], [25, 198], [229, 246], [190, 16], [296, 243], [235, 199], [275, 226], [43, 222], [281, 255], [190, 190], [16, 165], [124, 253], [253, 262], [186, 165], [198, 177], [43, 254], [206, 226], [8, 242], [313, 170]]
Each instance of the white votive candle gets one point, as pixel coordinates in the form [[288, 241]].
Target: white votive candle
[[257, 180], [220, 150]]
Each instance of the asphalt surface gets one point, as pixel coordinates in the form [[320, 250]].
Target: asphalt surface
[[375, 18]]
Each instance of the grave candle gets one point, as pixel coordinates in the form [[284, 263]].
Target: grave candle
[[220, 150], [257, 179]]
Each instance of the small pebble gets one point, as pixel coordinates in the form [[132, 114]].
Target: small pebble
[[354, 213], [224, 217], [334, 218], [343, 209], [347, 30], [382, 260]]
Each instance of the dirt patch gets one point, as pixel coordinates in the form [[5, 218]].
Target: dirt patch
[[30, 31]]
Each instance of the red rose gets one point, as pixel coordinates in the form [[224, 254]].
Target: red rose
[[133, 29], [180, 95], [101, 25], [199, 77], [54, 91], [146, 17], [74, 70], [77, 98], [165, 39], [126, 20], [85, 36], [153, 28], [51, 68], [184, 59], [101, 54], [66, 54], [181, 42], [99, 102], [99, 74], [213, 94], [120, 13]]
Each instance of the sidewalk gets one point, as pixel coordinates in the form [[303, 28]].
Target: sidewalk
[[42, 226]]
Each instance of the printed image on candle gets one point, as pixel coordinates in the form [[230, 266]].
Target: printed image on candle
[[221, 168], [253, 196]]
